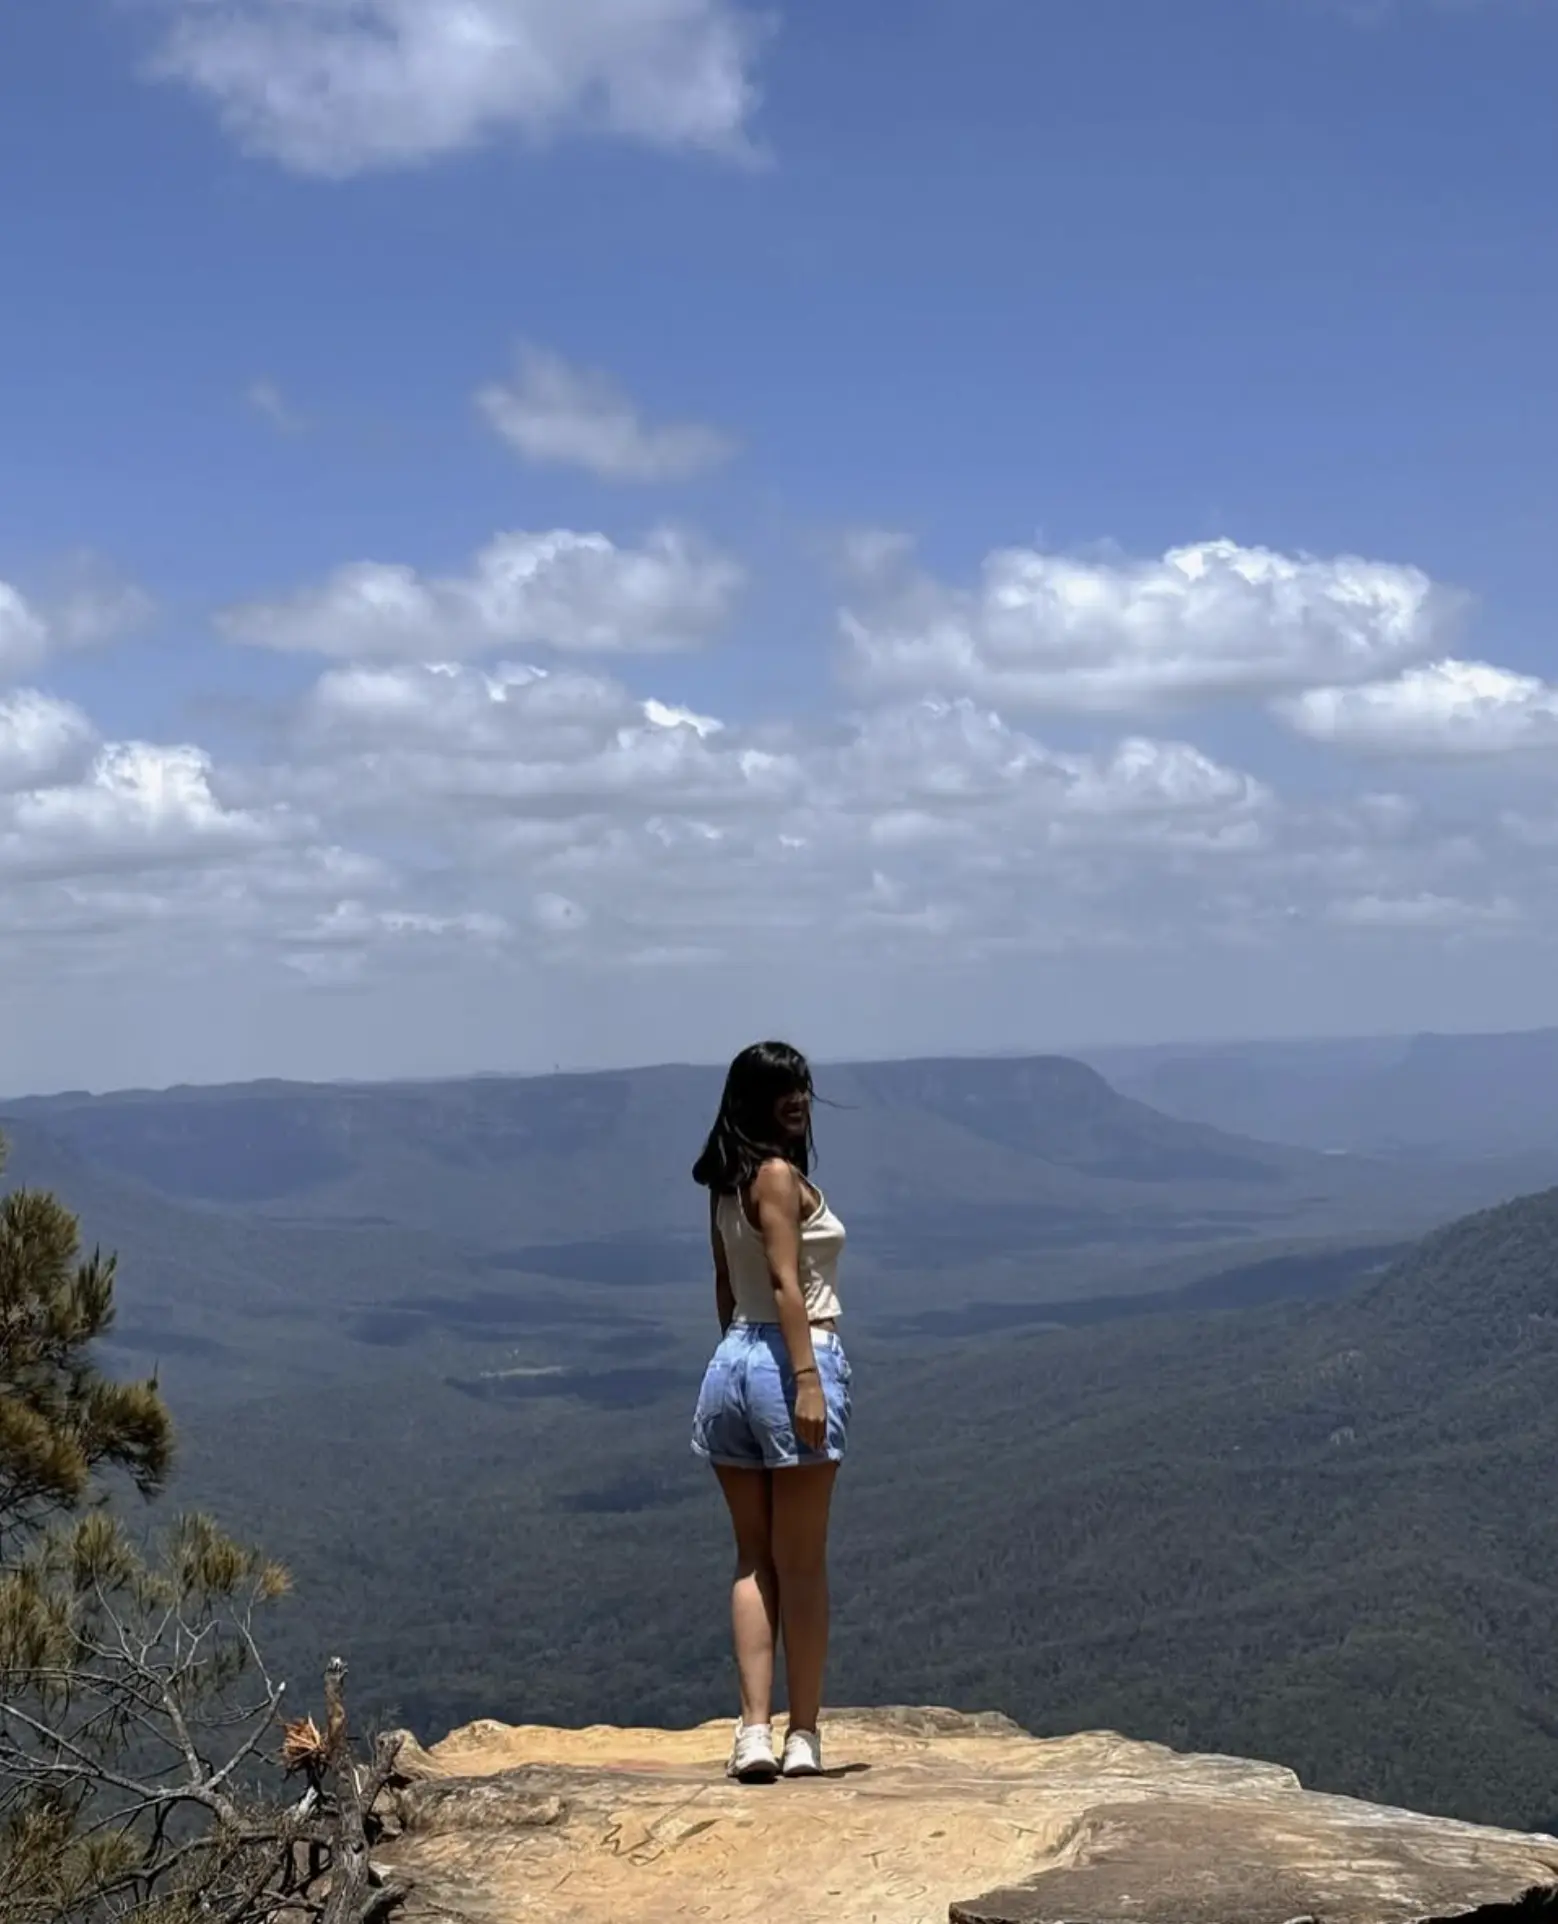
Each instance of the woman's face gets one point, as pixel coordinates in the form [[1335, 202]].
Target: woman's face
[[792, 1112]]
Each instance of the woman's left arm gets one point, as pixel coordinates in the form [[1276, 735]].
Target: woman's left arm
[[724, 1296]]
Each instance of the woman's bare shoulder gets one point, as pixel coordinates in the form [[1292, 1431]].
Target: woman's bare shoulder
[[777, 1181]]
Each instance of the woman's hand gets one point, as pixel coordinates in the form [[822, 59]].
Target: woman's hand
[[811, 1411], [777, 1200]]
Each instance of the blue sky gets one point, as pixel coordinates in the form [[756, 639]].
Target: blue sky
[[1091, 458]]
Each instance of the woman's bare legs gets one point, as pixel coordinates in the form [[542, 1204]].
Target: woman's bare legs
[[801, 1500], [754, 1608]]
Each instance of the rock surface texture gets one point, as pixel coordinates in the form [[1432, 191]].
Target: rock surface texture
[[922, 1810]]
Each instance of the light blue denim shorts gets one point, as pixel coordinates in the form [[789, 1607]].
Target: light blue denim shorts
[[746, 1408]]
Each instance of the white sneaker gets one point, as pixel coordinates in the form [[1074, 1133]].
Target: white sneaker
[[803, 1754], [752, 1760]]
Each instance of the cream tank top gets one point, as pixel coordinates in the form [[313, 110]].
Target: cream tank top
[[822, 1241]]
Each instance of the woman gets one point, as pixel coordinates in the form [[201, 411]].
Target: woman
[[773, 1415]]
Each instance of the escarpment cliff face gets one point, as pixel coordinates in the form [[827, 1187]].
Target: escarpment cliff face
[[920, 1813]]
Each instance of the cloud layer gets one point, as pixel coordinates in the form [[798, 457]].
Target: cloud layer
[[1448, 708], [342, 87], [91, 604], [476, 776], [1210, 622], [557, 415], [576, 593], [24, 636]]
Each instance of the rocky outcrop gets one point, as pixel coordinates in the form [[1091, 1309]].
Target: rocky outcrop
[[921, 1811]]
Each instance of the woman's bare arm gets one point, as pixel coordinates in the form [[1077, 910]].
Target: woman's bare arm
[[724, 1296], [776, 1203]]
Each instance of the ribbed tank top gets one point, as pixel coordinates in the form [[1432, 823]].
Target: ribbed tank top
[[822, 1240]]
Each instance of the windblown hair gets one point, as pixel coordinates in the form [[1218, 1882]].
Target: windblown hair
[[745, 1135]]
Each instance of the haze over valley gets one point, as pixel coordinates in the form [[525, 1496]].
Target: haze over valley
[[1087, 1327]]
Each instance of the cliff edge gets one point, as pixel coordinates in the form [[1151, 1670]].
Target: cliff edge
[[922, 1810]]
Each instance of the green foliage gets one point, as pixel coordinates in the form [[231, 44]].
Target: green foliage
[[1317, 1533], [61, 1421], [1312, 1532], [133, 1701]]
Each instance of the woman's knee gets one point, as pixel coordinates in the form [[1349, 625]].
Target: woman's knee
[[755, 1562], [802, 1560]]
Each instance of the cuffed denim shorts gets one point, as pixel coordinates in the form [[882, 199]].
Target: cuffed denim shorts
[[746, 1409]]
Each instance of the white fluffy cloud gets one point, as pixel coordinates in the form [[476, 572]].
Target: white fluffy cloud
[[1449, 708], [1118, 636], [576, 593], [914, 770], [625, 829], [123, 855], [439, 800], [557, 415], [334, 945], [422, 823], [341, 87], [519, 742], [516, 742], [137, 806], [90, 603], [42, 741]]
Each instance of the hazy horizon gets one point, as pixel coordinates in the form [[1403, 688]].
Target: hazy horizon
[[1091, 1053]]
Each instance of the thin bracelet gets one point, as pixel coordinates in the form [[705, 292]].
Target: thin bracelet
[[810, 1370]]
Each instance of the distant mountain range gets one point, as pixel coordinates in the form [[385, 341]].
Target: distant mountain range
[[435, 1345], [1453, 1096], [286, 1232], [543, 1155], [562, 1158]]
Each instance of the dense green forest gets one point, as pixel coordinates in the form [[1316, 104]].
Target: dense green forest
[[1316, 1532], [1150, 1434]]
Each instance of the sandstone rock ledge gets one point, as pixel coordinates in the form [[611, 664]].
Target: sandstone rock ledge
[[921, 1811]]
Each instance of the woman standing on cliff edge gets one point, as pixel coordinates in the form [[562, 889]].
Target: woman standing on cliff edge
[[773, 1414]]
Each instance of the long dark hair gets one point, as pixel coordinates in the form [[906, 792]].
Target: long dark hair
[[745, 1135]]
